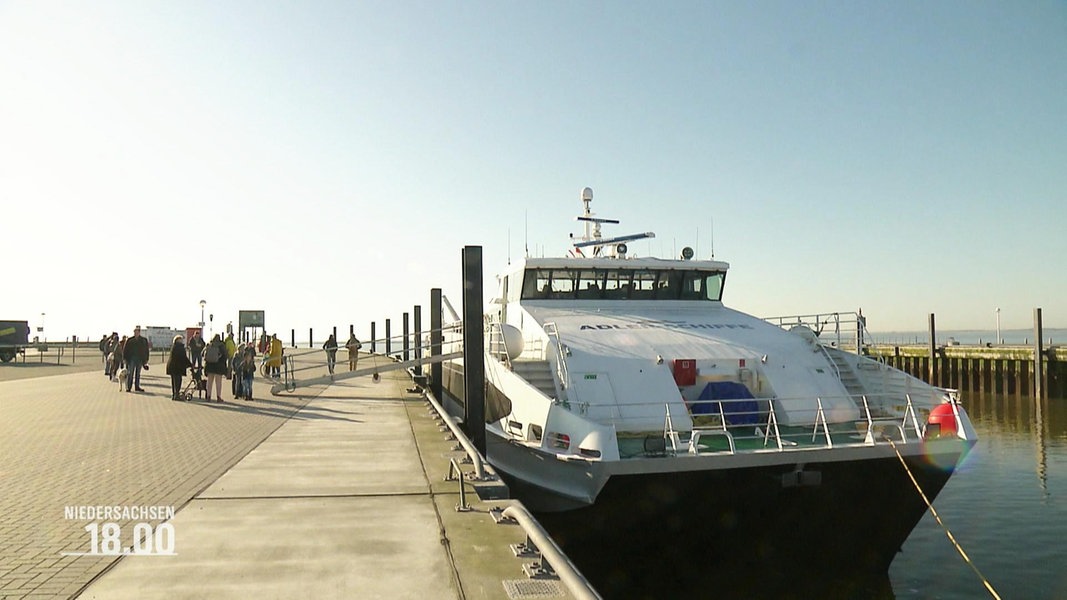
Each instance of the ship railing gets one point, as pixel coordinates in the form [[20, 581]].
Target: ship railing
[[776, 424], [498, 344], [561, 353], [845, 330]]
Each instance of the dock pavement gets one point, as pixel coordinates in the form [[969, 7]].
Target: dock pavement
[[334, 491]]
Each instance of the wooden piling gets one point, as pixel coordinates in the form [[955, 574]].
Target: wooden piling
[[931, 372], [1039, 384]]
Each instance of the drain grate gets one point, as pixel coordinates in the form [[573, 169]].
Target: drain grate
[[518, 589]]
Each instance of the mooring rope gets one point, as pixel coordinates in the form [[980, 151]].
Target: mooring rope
[[951, 538]]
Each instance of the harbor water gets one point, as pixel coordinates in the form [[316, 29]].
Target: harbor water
[[1006, 506]]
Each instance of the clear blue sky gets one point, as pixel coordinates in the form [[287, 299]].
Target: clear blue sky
[[326, 162]]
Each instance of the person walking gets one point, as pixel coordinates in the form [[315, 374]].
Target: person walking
[[117, 361], [111, 350], [135, 354], [176, 366], [353, 346], [274, 362], [215, 366], [331, 352], [103, 351]]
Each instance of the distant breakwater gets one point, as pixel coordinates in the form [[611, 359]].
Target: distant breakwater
[[985, 369]]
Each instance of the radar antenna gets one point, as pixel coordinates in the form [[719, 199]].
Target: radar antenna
[[592, 236]]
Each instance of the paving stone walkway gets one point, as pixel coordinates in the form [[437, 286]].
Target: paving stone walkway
[[77, 440]]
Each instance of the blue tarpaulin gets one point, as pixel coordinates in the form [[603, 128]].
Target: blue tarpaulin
[[739, 407]]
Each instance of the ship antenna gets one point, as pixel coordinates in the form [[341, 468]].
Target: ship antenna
[[587, 199], [712, 238], [526, 232]]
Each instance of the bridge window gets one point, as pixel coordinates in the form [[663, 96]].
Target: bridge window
[[622, 284]]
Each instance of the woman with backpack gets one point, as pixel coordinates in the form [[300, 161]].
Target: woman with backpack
[[215, 366]]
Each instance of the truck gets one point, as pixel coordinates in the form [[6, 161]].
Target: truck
[[14, 338]]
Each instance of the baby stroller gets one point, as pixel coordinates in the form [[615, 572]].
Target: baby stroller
[[197, 384]]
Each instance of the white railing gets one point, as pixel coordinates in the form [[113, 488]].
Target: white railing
[[745, 429], [497, 344], [838, 329], [561, 355]]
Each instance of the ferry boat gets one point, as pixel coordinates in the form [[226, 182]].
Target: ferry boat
[[644, 421]]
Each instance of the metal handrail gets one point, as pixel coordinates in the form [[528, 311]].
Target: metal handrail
[[561, 360], [818, 322], [454, 470], [904, 415], [496, 338], [571, 577], [289, 373], [468, 445]]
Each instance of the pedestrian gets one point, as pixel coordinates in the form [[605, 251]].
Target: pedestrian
[[353, 346], [215, 366], [103, 351], [275, 360], [247, 369], [235, 375], [135, 355], [110, 348], [331, 352], [176, 366], [196, 350], [231, 348], [117, 360]]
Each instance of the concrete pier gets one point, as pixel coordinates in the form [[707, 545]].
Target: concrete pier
[[337, 491]]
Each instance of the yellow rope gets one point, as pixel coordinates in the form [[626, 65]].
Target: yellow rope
[[951, 538]]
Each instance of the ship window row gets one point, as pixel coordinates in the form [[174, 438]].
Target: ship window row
[[622, 284]]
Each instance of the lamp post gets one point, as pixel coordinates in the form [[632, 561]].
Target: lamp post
[[203, 303], [999, 340]]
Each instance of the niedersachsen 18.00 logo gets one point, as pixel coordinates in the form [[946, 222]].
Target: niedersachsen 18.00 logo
[[117, 530]]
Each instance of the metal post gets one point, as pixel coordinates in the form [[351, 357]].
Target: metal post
[[1039, 387], [407, 339], [932, 369], [388, 341], [473, 348], [999, 339], [292, 338], [418, 337], [861, 324], [373, 337], [311, 338], [435, 341]]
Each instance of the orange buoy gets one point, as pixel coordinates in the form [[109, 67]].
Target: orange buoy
[[942, 422]]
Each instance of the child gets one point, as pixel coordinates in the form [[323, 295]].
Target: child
[[247, 371]]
